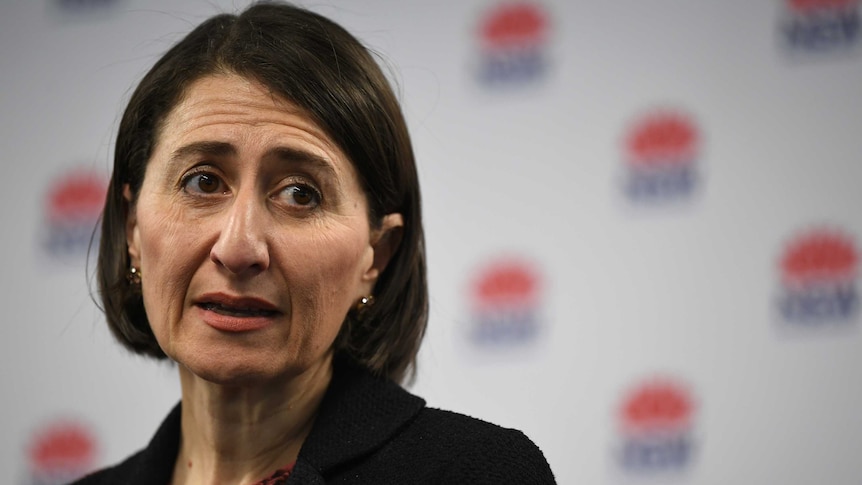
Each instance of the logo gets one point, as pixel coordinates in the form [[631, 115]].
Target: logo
[[815, 26], [61, 452], [818, 279], [73, 206], [505, 304], [661, 153], [656, 419], [513, 38]]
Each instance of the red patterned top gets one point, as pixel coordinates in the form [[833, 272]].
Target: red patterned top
[[279, 477]]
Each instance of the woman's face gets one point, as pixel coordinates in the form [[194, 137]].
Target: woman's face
[[252, 235]]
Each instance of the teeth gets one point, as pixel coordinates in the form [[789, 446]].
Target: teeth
[[234, 311]]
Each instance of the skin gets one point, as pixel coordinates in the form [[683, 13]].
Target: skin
[[229, 205]]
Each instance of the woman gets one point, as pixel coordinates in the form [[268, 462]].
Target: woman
[[263, 230]]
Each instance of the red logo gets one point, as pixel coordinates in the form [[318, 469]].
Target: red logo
[[819, 255], [662, 139], [505, 303], [514, 24], [63, 450], [808, 6], [77, 196], [73, 205], [818, 276], [507, 283], [512, 40], [656, 419], [660, 152], [657, 405]]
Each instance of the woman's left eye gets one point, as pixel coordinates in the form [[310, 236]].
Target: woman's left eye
[[301, 195]]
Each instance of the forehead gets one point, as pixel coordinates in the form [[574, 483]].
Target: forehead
[[234, 109]]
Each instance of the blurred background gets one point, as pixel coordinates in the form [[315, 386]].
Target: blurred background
[[643, 227]]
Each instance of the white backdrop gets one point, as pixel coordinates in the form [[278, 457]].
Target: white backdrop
[[636, 337]]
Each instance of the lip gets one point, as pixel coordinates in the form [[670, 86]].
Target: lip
[[261, 313]]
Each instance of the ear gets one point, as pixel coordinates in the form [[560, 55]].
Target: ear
[[384, 241], [132, 228]]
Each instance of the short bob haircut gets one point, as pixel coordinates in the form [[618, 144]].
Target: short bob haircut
[[316, 64]]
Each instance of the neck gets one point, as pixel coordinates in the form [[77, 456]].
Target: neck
[[242, 434]]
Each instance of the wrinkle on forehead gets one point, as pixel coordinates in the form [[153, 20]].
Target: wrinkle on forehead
[[249, 95]]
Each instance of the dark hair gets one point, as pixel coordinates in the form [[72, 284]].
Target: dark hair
[[319, 66]]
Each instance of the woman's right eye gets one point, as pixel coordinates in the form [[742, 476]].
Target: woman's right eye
[[203, 183]]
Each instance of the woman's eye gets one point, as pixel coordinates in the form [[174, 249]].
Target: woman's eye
[[202, 183], [302, 195]]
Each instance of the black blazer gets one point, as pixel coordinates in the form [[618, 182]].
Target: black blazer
[[370, 431]]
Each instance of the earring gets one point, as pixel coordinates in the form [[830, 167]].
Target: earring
[[134, 276], [362, 306]]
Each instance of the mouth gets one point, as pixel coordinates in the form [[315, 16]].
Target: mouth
[[237, 311], [237, 307]]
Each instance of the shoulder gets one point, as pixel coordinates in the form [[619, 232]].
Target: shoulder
[[456, 427], [371, 430], [468, 450]]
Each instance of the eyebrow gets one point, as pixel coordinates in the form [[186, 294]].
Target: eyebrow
[[208, 148], [281, 153], [294, 155]]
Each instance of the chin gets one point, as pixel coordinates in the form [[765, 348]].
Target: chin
[[237, 377], [234, 370]]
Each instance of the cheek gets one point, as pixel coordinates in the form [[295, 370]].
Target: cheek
[[170, 252], [343, 260], [333, 265]]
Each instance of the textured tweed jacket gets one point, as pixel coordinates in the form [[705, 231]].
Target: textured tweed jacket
[[371, 431]]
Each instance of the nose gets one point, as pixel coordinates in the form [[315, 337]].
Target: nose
[[241, 247]]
